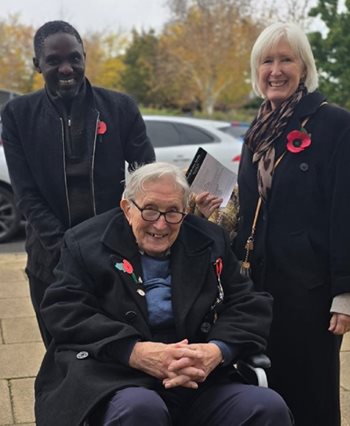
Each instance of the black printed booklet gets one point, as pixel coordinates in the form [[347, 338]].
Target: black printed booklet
[[206, 173]]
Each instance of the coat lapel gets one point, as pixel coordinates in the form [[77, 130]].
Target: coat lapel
[[188, 255], [118, 237], [306, 108], [291, 162]]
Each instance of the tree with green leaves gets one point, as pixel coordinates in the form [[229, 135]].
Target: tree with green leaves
[[332, 51], [139, 77]]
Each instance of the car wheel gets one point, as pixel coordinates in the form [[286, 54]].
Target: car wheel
[[10, 217]]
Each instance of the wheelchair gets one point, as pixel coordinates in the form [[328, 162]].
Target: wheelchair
[[252, 369]]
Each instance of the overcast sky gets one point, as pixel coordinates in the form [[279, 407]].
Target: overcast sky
[[90, 15]]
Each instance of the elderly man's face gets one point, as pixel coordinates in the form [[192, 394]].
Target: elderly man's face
[[156, 237]]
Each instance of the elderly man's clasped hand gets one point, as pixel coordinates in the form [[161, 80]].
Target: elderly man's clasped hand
[[177, 364]]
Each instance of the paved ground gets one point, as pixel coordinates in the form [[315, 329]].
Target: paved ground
[[21, 349]]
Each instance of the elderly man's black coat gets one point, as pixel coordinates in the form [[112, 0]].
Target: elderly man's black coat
[[93, 306], [302, 255]]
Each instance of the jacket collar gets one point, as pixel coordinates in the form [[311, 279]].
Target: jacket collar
[[118, 236], [86, 92], [308, 106]]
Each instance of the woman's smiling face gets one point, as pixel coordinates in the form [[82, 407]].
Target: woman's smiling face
[[279, 73]]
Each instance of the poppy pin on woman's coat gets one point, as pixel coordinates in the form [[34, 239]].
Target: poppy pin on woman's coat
[[298, 140]]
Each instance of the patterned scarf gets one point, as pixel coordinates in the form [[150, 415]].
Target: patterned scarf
[[265, 129]]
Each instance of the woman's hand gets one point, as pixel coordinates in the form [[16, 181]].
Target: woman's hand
[[207, 203], [339, 324]]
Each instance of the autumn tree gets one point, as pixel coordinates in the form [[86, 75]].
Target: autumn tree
[[104, 58], [16, 52], [332, 50], [208, 46], [289, 11]]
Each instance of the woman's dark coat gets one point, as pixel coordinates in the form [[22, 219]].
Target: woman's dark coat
[[93, 306], [302, 256], [33, 136]]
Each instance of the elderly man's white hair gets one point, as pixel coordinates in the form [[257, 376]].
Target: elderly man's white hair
[[152, 172]]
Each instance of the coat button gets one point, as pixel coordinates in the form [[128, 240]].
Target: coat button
[[140, 292], [304, 167], [205, 327], [82, 354], [130, 315]]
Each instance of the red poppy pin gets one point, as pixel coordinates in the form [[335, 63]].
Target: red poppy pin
[[218, 267], [127, 267], [101, 127], [218, 270], [298, 140]]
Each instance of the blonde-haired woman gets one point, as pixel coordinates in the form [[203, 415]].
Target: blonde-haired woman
[[294, 234]]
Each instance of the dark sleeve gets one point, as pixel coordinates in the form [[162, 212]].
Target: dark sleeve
[[31, 204], [244, 318], [228, 352], [74, 316], [138, 147], [339, 215]]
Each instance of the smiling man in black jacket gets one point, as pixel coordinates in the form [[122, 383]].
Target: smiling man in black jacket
[[66, 147]]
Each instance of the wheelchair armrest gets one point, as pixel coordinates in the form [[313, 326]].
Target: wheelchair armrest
[[259, 360], [252, 369]]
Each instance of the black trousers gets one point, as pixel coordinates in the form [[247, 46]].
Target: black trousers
[[37, 289], [228, 404]]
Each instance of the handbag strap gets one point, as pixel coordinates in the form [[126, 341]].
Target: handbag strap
[[249, 245]]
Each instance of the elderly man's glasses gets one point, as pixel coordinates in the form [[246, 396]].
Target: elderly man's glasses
[[152, 215]]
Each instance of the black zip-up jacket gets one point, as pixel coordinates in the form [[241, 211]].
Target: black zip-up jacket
[[33, 138]]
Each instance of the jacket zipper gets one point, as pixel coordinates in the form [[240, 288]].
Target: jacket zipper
[[92, 183], [93, 165], [64, 170]]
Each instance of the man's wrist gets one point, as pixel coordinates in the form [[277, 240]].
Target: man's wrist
[[219, 352], [227, 352]]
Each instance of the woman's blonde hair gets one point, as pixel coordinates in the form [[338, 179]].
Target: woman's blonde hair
[[299, 43]]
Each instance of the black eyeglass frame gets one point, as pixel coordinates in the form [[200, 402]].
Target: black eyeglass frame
[[183, 214]]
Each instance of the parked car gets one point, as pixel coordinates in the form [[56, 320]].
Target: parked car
[[10, 217], [176, 139], [238, 129]]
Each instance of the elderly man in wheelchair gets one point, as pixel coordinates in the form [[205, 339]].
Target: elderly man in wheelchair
[[149, 314]]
